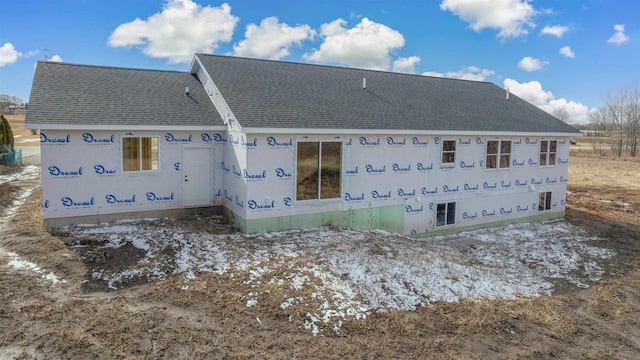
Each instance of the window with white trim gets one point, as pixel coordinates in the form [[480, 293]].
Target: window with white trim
[[548, 152], [318, 170], [544, 201], [445, 214], [498, 154], [139, 154], [449, 151]]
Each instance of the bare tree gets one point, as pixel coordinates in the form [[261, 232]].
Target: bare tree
[[561, 113], [621, 117], [9, 104], [633, 121]]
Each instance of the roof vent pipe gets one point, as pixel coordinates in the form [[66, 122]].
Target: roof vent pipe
[[507, 93], [186, 91], [364, 83]]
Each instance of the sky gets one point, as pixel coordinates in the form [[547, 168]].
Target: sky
[[559, 55]]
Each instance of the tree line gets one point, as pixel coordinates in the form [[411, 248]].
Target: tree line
[[9, 103], [619, 120]]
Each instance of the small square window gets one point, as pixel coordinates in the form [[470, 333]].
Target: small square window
[[544, 201], [139, 154], [498, 154], [446, 214], [448, 151], [548, 152]]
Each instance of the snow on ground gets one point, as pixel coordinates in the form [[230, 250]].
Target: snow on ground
[[19, 264], [30, 172], [352, 273]]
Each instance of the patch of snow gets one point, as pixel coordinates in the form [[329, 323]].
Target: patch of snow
[[287, 303], [27, 173], [616, 203], [140, 244], [311, 323], [19, 264], [30, 172]]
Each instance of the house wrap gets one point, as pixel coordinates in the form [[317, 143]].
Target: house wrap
[[276, 145]]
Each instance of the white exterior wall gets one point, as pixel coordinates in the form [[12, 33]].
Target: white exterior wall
[[254, 176], [407, 170], [234, 161], [82, 172]]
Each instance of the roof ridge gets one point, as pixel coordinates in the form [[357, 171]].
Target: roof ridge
[[340, 67], [108, 67]]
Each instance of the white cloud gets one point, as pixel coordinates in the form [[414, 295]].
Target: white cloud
[[271, 39], [468, 73], [511, 17], [29, 54], [531, 64], [619, 37], [180, 30], [56, 58], [368, 45], [405, 64], [8, 54], [556, 30], [577, 112], [567, 52], [533, 92]]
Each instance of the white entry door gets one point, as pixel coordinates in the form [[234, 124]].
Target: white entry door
[[196, 176]]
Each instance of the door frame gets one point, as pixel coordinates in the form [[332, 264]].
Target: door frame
[[184, 167]]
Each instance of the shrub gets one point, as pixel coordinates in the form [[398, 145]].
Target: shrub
[[6, 135]]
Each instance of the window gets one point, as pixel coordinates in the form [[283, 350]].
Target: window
[[498, 154], [446, 214], [139, 153], [319, 169], [544, 201], [548, 152], [448, 151]]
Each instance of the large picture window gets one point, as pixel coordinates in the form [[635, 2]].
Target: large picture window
[[498, 154], [318, 170], [446, 214], [448, 151], [548, 152], [139, 153]]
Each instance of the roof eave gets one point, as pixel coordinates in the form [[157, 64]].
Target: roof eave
[[307, 131], [116, 127]]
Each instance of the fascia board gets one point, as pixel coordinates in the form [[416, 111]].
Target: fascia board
[[216, 97], [399, 132], [124, 127]]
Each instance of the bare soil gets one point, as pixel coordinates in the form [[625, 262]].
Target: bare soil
[[162, 319]]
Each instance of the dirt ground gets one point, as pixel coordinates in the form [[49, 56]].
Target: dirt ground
[[43, 318]]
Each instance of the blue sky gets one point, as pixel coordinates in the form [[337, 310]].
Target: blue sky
[[556, 54]]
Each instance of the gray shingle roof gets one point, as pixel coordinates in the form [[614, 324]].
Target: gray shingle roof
[[276, 94], [68, 94]]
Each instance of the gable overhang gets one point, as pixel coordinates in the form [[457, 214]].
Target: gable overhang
[[214, 94]]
